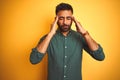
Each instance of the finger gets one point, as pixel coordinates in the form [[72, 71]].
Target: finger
[[56, 18], [55, 21], [74, 19]]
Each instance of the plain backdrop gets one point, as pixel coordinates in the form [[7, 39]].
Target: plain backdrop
[[24, 22]]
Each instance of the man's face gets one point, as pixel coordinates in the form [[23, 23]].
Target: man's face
[[64, 20]]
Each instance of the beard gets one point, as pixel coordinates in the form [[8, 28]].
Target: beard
[[64, 27]]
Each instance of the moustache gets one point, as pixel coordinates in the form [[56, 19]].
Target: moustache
[[65, 25]]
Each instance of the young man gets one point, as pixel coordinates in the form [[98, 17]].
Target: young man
[[64, 46]]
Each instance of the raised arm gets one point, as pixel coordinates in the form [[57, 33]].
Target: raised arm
[[42, 47], [38, 52], [92, 44]]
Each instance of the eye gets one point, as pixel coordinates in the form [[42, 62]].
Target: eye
[[69, 18], [61, 18]]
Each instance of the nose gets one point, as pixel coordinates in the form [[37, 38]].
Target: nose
[[64, 21]]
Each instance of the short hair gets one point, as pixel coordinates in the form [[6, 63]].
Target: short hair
[[63, 6]]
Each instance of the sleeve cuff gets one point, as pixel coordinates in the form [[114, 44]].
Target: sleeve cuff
[[98, 54], [36, 56]]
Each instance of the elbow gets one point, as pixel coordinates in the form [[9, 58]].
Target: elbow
[[33, 60], [35, 56], [99, 54], [100, 57]]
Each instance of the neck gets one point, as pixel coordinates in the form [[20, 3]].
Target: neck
[[65, 33]]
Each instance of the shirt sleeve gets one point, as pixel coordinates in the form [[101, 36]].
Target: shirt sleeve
[[35, 55], [97, 54]]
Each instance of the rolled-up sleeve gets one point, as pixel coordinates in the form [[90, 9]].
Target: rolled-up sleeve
[[98, 54], [35, 56]]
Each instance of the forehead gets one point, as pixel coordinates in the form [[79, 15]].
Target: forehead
[[64, 13]]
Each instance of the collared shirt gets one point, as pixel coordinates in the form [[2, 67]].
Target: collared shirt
[[65, 56]]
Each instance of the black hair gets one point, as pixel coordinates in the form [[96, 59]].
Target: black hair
[[63, 6]]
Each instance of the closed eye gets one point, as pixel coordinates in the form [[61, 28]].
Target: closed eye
[[69, 18], [61, 18]]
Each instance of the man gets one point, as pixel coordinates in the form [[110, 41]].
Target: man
[[64, 46]]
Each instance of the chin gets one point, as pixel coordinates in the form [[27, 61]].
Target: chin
[[65, 30]]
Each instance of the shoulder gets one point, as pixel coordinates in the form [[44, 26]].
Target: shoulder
[[77, 35], [74, 33]]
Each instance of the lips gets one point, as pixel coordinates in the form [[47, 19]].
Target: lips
[[65, 26]]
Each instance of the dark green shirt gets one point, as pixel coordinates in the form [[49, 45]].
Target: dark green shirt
[[65, 56]]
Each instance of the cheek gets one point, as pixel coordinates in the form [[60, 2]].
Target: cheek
[[60, 22], [70, 22]]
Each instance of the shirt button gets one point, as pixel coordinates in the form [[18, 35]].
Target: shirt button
[[65, 56], [65, 46], [65, 66], [64, 76]]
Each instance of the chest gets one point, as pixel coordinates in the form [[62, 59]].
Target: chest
[[65, 45]]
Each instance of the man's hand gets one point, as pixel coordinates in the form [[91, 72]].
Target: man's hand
[[79, 27], [91, 43], [53, 26]]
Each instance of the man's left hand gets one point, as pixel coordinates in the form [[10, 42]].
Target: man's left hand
[[79, 27]]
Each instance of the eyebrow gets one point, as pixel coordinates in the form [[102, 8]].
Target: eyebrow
[[69, 17], [64, 17]]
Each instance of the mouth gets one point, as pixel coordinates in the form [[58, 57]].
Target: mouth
[[65, 26]]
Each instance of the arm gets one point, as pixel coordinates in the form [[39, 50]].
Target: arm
[[38, 52], [91, 46], [91, 43], [42, 47]]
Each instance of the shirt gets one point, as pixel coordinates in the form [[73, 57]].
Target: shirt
[[65, 56]]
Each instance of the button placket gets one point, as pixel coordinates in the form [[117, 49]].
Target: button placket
[[65, 66], [65, 58]]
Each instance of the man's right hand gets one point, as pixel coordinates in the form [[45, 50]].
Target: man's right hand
[[53, 26]]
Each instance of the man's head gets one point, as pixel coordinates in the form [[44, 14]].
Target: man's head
[[64, 12], [63, 6]]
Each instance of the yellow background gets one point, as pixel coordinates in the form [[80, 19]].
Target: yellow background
[[23, 22]]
